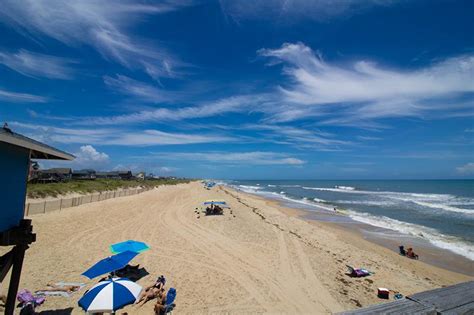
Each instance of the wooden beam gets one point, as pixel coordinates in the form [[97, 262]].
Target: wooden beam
[[18, 256]]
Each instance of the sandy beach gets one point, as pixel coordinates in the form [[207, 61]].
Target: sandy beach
[[262, 258]]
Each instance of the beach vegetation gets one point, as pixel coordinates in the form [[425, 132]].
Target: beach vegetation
[[39, 190]]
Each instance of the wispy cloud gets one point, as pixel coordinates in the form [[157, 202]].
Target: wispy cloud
[[364, 90], [98, 24], [115, 136], [137, 89], [253, 158], [292, 11], [222, 106], [466, 169], [21, 97], [38, 65]]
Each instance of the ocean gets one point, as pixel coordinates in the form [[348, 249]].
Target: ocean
[[439, 211]]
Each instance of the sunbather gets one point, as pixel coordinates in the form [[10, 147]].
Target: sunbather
[[66, 288], [156, 290], [411, 254], [165, 303]]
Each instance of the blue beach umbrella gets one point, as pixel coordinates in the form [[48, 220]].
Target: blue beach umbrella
[[110, 264], [110, 295], [130, 245]]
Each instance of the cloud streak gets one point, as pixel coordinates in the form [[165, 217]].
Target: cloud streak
[[293, 11], [364, 90], [248, 158], [116, 136], [234, 104], [98, 24], [38, 65], [16, 97]]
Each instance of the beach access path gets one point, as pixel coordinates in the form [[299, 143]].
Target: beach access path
[[258, 259]]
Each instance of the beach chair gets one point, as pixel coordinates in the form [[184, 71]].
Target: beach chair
[[170, 298]]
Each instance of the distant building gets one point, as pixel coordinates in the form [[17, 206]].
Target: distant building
[[140, 176], [86, 174], [125, 175], [53, 175]]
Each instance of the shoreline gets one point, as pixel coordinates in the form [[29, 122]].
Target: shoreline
[[431, 254], [255, 258]]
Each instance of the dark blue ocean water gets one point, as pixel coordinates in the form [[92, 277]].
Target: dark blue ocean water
[[441, 211]]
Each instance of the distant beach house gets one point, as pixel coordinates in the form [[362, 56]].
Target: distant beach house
[[125, 175], [140, 176], [86, 174], [53, 175]]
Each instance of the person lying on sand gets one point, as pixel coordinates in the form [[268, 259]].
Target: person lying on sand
[[153, 291], [411, 254], [66, 288]]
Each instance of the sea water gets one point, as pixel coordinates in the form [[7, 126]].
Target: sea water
[[439, 211]]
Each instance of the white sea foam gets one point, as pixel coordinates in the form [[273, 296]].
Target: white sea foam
[[271, 185], [345, 187], [380, 203], [248, 188], [443, 202], [436, 238], [319, 200]]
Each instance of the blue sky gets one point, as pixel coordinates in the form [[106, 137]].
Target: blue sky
[[245, 89]]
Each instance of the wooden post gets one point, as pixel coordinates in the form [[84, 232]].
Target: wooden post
[[18, 256]]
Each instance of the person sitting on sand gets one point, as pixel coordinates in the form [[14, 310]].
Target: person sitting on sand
[[411, 254], [163, 305], [403, 252], [153, 291]]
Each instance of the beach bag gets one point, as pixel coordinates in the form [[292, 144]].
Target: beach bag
[[383, 293]]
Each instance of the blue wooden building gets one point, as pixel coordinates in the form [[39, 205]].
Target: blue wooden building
[[15, 154]]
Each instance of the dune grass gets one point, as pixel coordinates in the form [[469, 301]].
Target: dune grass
[[89, 186]]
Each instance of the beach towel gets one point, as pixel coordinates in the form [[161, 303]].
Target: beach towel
[[358, 272], [26, 297], [62, 293]]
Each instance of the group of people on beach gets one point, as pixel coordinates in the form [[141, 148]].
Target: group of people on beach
[[408, 253], [155, 291], [214, 209]]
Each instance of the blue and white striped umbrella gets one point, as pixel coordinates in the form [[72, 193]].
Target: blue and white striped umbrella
[[110, 295]]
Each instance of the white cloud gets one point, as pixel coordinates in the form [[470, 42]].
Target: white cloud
[[88, 156], [21, 97], [466, 169], [115, 136], [363, 90], [233, 104], [291, 11], [98, 24], [252, 158], [37, 65], [140, 90]]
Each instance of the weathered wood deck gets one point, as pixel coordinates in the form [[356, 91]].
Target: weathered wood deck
[[455, 299]]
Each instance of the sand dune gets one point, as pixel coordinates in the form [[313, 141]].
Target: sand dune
[[256, 260]]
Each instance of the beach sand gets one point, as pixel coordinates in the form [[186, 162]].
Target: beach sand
[[262, 258]]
